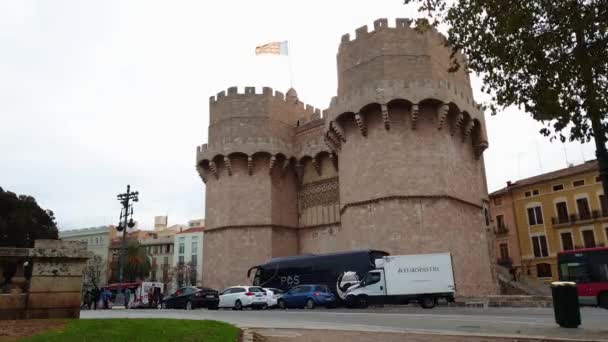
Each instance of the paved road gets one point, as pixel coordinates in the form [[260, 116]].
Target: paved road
[[469, 321]]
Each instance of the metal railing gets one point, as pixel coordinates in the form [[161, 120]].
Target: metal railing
[[507, 261], [501, 229], [575, 218]]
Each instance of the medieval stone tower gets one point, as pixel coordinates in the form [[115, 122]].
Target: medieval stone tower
[[395, 163]]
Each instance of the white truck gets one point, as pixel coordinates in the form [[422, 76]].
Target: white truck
[[401, 279]]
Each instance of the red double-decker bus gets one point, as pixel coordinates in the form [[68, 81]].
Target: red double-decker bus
[[588, 268]]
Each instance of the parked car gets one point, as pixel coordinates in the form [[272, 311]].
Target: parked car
[[239, 297], [273, 296], [307, 296], [191, 297]]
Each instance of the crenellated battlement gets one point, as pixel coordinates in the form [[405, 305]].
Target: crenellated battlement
[[266, 92], [402, 52], [265, 103], [401, 25]]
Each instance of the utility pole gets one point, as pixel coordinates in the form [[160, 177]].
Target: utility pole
[[124, 222]]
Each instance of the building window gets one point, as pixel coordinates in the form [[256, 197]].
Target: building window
[[562, 212], [497, 200], [543, 270], [97, 241], [180, 260], [583, 208], [535, 192], [558, 187], [539, 245], [193, 259], [578, 183], [603, 205], [182, 245], [486, 215], [194, 246], [168, 248], [567, 243], [504, 251], [588, 238], [535, 215], [500, 222], [193, 276], [153, 275], [528, 194], [166, 261]]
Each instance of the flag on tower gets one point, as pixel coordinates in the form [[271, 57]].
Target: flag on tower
[[274, 48]]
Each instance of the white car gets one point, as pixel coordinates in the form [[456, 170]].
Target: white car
[[273, 296], [239, 297]]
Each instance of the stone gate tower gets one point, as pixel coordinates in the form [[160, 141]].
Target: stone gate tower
[[395, 163]]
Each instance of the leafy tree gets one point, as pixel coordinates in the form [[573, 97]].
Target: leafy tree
[[22, 221], [137, 263], [93, 271], [547, 57], [184, 274]]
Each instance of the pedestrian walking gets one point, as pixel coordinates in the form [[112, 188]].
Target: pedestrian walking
[[95, 296], [87, 300]]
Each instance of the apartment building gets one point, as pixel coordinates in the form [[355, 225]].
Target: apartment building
[[536, 218]]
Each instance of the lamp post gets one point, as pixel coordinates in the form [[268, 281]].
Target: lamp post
[[124, 222]]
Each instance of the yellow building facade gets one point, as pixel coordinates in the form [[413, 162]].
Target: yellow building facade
[[550, 213]]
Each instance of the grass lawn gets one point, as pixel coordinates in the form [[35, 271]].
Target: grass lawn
[[140, 330]]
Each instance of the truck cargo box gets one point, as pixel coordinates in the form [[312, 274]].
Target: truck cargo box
[[418, 274]]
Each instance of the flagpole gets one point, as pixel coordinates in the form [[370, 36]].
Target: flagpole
[[289, 65]]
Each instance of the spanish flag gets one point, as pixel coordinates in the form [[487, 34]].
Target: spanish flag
[[274, 48]]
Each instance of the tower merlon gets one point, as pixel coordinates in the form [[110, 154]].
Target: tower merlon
[[379, 25]]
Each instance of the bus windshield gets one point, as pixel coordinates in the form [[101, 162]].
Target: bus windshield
[[584, 266], [574, 271]]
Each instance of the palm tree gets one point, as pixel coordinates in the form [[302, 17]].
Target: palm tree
[[137, 262]]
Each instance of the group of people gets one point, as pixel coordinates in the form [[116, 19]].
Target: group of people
[[97, 298], [155, 297]]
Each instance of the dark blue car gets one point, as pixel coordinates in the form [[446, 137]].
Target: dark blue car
[[307, 296]]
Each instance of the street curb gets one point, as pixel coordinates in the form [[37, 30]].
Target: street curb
[[249, 335], [516, 338]]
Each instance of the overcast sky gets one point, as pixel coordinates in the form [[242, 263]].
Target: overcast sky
[[95, 95]]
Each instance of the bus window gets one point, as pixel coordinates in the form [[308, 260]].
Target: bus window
[[574, 271], [599, 272], [257, 277]]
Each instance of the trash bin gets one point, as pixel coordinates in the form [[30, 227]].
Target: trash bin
[[565, 304]]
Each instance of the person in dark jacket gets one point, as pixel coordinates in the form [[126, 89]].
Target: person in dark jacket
[[95, 296]]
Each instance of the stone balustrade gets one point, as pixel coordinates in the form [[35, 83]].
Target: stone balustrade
[[42, 282]]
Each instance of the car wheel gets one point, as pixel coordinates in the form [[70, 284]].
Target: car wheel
[[188, 305], [310, 304], [282, 304], [362, 302], [238, 305], [426, 302], [603, 300], [351, 301]]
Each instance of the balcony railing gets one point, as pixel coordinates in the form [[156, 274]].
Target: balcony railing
[[504, 261], [501, 229], [574, 218]]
